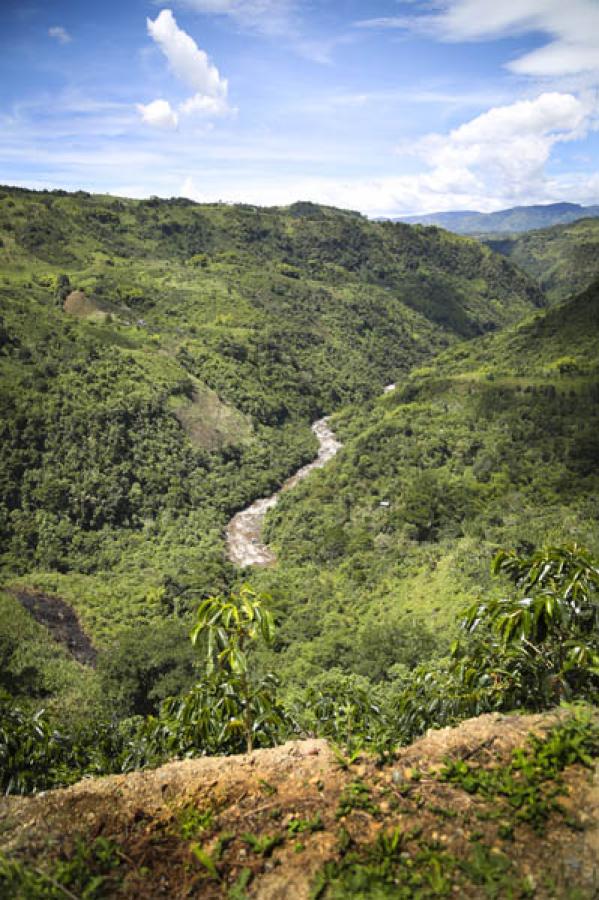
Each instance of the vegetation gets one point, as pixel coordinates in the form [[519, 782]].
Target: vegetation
[[469, 823], [561, 259], [405, 863], [160, 364], [526, 653]]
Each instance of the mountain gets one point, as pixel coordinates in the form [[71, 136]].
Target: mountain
[[160, 364], [516, 219], [492, 444], [562, 260]]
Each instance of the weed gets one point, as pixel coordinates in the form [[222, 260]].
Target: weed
[[263, 845], [223, 842], [206, 860], [193, 821], [306, 826], [527, 786], [237, 891], [89, 871], [345, 760], [269, 790], [356, 796]]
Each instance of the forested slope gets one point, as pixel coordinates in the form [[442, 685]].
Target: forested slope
[[492, 445], [562, 260], [160, 363]]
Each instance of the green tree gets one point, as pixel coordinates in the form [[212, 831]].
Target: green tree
[[554, 618], [230, 626], [231, 708]]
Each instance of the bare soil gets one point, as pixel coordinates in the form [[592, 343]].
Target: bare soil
[[274, 794], [61, 621]]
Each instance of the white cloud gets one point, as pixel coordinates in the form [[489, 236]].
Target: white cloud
[[389, 195], [503, 153], [269, 17], [60, 34], [185, 58], [191, 65], [573, 29], [159, 114], [495, 160], [408, 23], [203, 105], [505, 149]]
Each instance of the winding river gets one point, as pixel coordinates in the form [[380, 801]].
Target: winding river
[[244, 531]]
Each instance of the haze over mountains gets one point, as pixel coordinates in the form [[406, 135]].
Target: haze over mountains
[[516, 219]]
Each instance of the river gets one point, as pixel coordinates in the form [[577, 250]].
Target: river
[[244, 531]]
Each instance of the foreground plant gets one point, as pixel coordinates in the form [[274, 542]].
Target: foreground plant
[[553, 620], [230, 708], [529, 651]]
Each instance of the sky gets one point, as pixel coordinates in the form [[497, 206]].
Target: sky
[[386, 107]]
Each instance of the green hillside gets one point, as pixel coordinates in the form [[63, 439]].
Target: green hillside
[[495, 444], [558, 342], [160, 364], [562, 260]]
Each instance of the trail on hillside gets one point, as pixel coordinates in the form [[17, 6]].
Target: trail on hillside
[[244, 544]]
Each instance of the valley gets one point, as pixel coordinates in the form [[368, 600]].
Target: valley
[[171, 374]]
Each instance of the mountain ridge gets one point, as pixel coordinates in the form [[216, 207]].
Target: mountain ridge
[[510, 220]]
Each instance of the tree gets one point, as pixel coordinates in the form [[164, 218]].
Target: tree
[[62, 288], [230, 708], [555, 618]]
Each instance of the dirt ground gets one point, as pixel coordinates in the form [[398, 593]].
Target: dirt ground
[[270, 823]]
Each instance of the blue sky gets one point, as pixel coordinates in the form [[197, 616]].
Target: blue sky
[[388, 107]]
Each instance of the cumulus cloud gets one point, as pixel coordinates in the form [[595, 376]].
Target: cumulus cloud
[[505, 148], [159, 114], [503, 153], [185, 58], [391, 195], [190, 65], [60, 34]]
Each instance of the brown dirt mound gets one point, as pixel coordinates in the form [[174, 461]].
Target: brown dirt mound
[[266, 824]]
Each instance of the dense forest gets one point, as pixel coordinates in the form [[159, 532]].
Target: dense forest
[[161, 362], [562, 260]]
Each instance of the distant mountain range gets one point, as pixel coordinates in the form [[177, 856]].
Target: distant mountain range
[[519, 218]]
